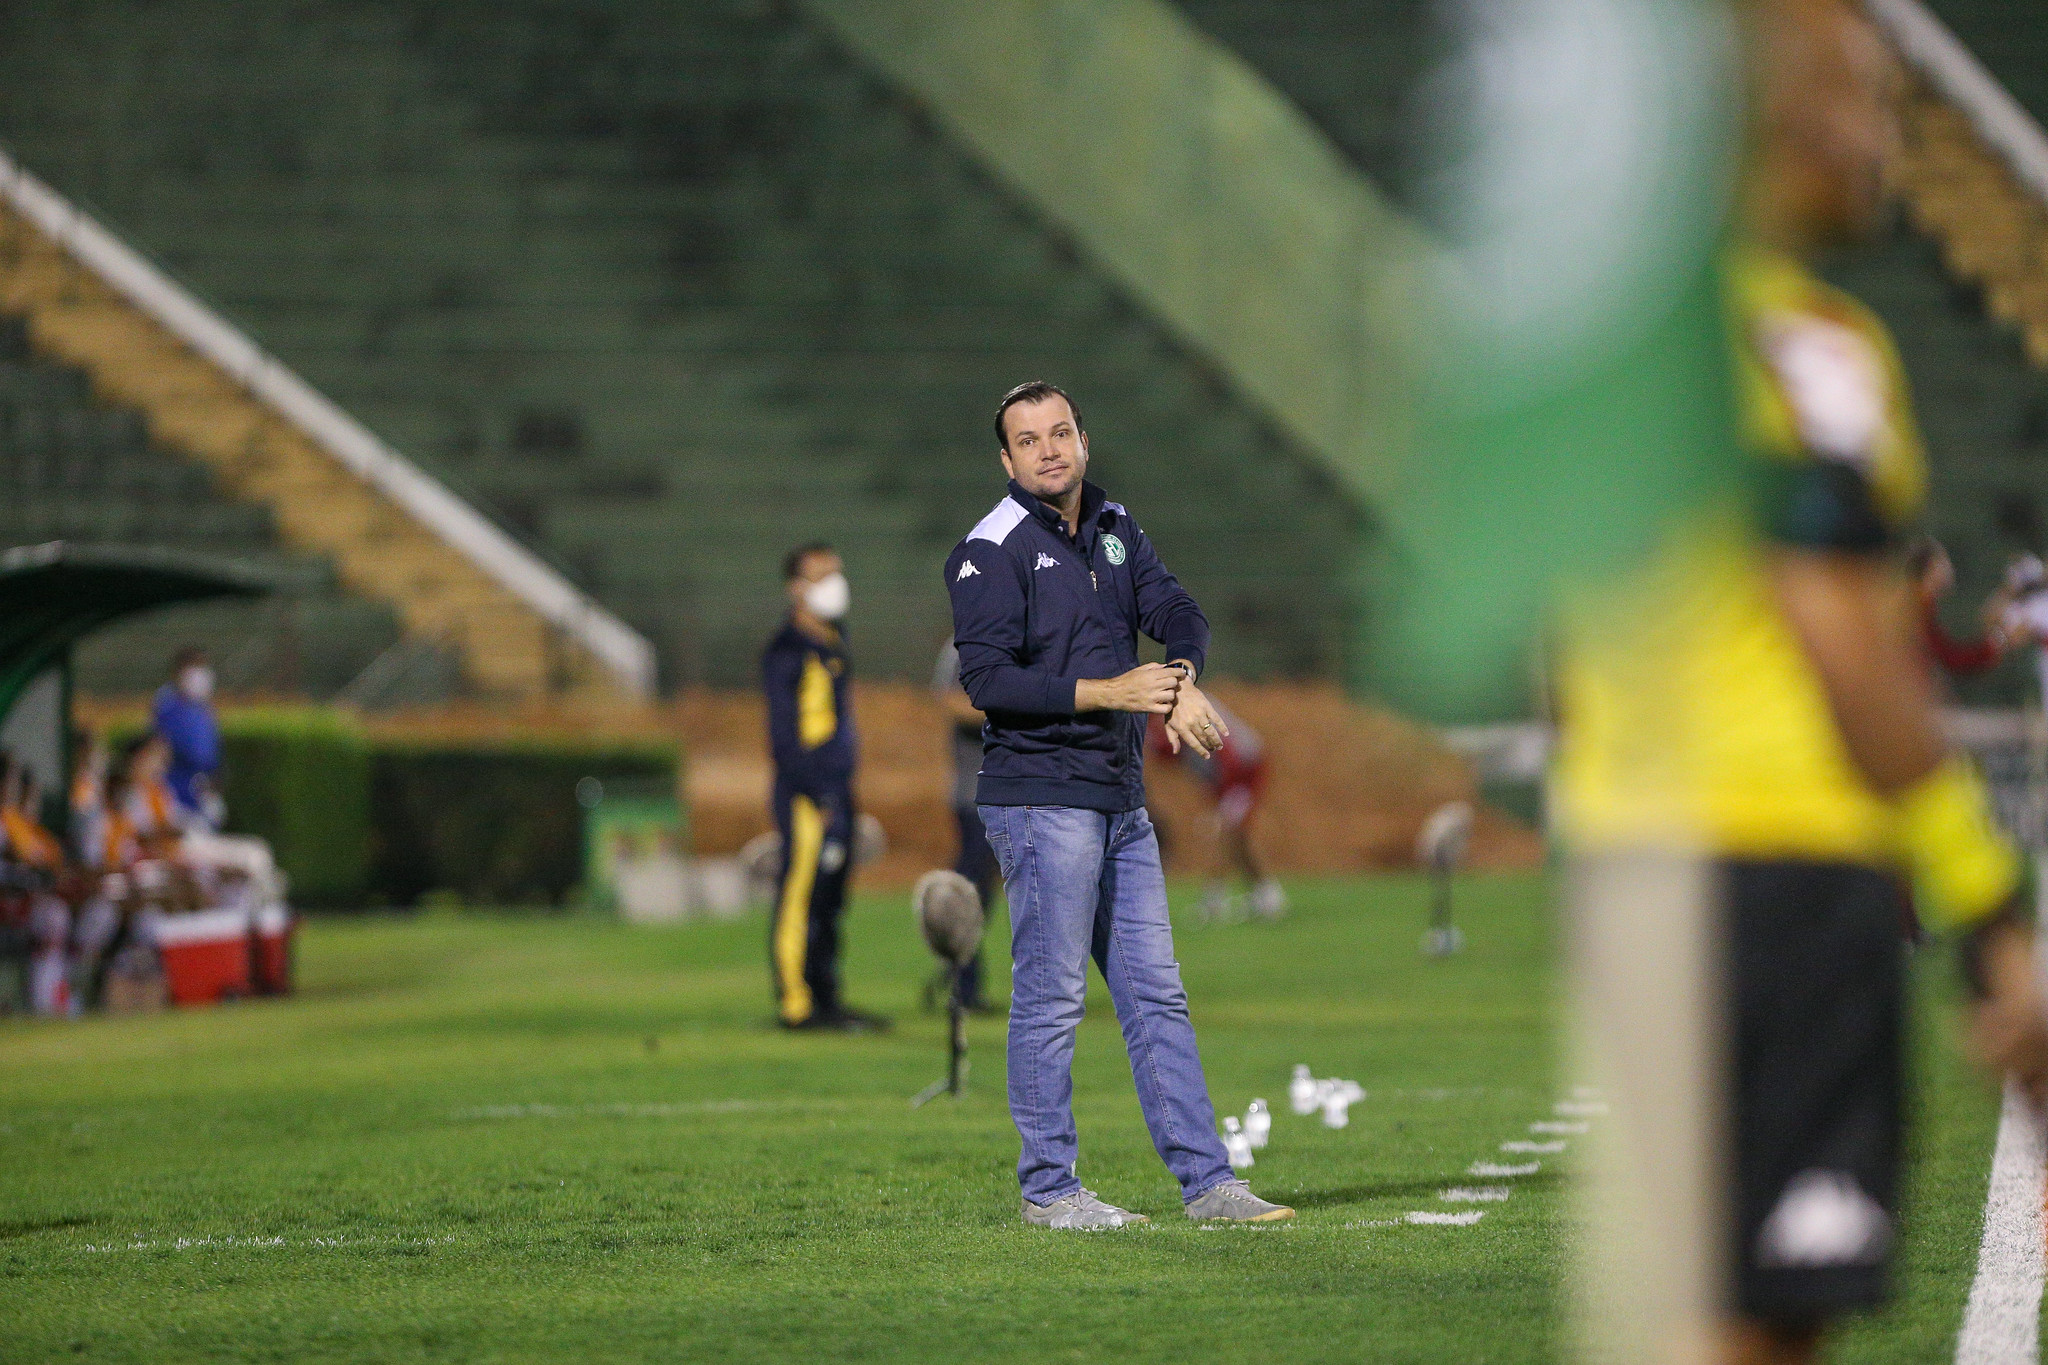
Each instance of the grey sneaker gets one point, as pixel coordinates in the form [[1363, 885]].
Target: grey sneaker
[[1234, 1202], [1080, 1210]]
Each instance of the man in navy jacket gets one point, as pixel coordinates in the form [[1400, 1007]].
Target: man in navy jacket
[[1050, 592]]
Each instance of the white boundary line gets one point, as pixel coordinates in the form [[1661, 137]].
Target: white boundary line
[[2002, 1324], [246, 1243], [2002, 1321], [681, 1109], [622, 650]]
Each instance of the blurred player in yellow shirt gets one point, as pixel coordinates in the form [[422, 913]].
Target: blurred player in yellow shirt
[[1754, 705]]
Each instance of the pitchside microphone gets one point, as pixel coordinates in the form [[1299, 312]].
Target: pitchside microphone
[[948, 910], [1440, 847]]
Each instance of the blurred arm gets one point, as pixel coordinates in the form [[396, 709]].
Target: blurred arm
[[960, 707], [1852, 614], [946, 687]]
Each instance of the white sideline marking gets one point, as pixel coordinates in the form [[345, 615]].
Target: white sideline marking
[[1448, 1220], [1534, 1148], [1561, 1129], [1480, 1194], [233, 1243], [2002, 1324], [1495, 1170], [632, 1111]]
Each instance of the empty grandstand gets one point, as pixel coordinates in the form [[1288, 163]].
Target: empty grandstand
[[78, 470], [662, 289]]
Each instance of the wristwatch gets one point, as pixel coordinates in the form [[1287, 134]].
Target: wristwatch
[[1187, 670]]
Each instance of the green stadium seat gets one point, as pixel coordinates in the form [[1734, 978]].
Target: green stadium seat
[[664, 296], [74, 470]]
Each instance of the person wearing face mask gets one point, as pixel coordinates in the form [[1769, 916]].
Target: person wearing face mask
[[183, 715], [807, 677]]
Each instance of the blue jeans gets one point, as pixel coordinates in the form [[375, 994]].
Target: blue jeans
[[1085, 883]]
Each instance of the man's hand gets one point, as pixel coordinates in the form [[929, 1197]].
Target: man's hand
[[2009, 1029], [1148, 689], [1195, 723]]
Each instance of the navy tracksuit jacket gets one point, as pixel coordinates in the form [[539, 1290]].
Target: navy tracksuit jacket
[[810, 733], [1035, 610]]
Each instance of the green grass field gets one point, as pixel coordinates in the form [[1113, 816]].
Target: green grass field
[[519, 1137]]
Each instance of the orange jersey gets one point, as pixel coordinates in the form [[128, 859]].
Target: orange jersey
[[118, 845], [30, 843], [87, 792]]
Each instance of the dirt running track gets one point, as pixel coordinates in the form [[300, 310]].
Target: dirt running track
[[1349, 786]]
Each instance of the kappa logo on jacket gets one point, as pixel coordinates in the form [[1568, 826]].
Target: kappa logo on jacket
[[1024, 636], [967, 569]]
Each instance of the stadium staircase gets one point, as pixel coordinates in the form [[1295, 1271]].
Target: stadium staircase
[[78, 469], [1974, 173], [1963, 283], [1993, 232], [664, 289], [203, 392]]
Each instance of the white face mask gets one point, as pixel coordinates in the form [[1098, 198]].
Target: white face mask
[[829, 597], [196, 682]]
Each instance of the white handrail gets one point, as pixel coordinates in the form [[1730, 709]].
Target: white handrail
[[616, 645], [1954, 70]]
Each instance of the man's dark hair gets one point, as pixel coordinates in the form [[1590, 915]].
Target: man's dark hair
[[1034, 391], [793, 562], [185, 658]]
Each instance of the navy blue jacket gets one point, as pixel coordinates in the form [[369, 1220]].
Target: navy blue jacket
[[1034, 611], [810, 713]]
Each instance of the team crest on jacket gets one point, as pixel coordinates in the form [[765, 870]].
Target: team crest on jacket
[[1112, 549]]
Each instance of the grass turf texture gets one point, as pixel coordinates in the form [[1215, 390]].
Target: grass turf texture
[[478, 1137]]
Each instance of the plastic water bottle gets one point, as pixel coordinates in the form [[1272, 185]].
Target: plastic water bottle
[[1258, 1124], [1235, 1144], [1301, 1091]]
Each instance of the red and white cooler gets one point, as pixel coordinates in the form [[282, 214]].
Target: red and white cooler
[[206, 955], [271, 931]]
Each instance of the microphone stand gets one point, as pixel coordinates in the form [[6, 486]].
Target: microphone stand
[[956, 1047], [1444, 937]]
